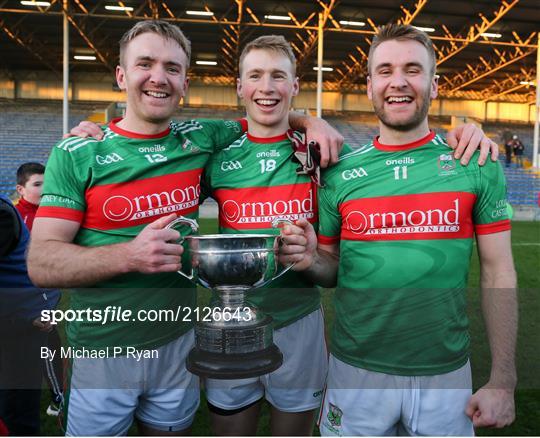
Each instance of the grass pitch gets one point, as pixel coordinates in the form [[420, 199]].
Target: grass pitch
[[526, 250]]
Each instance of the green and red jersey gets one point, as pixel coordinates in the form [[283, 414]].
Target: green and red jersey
[[116, 186], [254, 182], [405, 218]]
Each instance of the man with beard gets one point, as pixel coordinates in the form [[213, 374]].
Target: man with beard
[[396, 225], [102, 225]]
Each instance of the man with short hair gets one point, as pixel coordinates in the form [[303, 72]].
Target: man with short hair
[[102, 224], [255, 182], [396, 227], [267, 84]]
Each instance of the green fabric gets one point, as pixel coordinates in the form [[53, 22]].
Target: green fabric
[[405, 222], [254, 183], [115, 187]]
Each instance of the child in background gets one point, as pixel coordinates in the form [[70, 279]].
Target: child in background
[[29, 187]]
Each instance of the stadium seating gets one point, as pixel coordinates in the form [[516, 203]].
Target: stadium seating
[[523, 186], [355, 133], [498, 132], [29, 128]]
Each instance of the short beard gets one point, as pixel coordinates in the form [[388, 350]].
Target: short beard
[[406, 125]]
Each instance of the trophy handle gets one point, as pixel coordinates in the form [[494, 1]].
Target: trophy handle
[[194, 227], [275, 224]]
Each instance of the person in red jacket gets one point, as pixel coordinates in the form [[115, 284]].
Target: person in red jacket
[[29, 187]]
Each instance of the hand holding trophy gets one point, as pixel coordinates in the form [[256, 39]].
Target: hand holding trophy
[[237, 341]]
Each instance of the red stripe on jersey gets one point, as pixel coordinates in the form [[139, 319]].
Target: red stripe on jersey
[[257, 207], [120, 205], [495, 227], [325, 240], [426, 216], [403, 147], [61, 213]]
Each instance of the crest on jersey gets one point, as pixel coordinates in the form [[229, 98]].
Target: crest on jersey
[[334, 415], [446, 164], [189, 146]]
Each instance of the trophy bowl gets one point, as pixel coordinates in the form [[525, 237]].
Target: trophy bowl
[[235, 340], [234, 260]]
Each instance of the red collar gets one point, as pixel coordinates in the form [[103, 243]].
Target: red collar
[[113, 124], [274, 139], [23, 203], [404, 147]]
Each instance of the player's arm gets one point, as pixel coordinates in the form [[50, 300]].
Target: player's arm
[[318, 130], [55, 261], [318, 262], [466, 139], [493, 404]]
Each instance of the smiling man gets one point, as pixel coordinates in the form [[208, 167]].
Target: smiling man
[[101, 224], [255, 182], [398, 218]]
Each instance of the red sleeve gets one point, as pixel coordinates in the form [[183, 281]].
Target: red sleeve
[[325, 240], [61, 213], [495, 227]]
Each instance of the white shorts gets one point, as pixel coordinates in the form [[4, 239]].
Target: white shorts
[[105, 395], [361, 402], [296, 386]]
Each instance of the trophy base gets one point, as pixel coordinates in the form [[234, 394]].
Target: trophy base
[[237, 366]]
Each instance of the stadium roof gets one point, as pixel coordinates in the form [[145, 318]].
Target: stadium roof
[[486, 48]]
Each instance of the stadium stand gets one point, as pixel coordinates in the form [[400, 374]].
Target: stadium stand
[[523, 186], [355, 133], [523, 183], [28, 129], [500, 131]]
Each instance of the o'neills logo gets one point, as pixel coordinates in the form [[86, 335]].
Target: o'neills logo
[[259, 207], [424, 216], [142, 201]]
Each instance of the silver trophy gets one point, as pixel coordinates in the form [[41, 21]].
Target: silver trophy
[[234, 340]]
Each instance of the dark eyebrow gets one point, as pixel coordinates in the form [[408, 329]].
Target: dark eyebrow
[[152, 59], [145, 58], [409, 64], [383, 65], [259, 70], [414, 64]]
